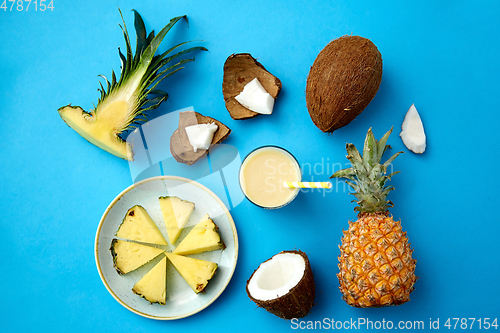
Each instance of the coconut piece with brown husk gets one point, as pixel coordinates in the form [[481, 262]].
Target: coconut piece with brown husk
[[239, 70], [180, 146], [284, 285], [342, 81]]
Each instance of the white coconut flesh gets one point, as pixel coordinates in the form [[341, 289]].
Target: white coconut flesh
[[412, 133], [277, 276], [255, 97], [200, 136]]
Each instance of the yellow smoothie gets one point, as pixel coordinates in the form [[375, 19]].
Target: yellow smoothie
[[262, 175]]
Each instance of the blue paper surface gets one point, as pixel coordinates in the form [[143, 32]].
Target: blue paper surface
[[442, 56]]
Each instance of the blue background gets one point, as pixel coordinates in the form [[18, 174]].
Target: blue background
[[440, 55]]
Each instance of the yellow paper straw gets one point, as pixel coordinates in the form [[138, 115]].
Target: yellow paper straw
[[308, 184]]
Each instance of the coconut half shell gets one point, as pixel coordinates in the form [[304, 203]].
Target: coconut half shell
[[342, 81], [180, 147], [239, 70], [297, 302]]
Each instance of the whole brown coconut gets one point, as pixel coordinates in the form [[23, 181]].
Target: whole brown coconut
[[342, 81]]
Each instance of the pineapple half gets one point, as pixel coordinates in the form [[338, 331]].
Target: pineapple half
[[128, 256], [138, 226], [176, 213], [375, 261], [123, 103], [202, 238], [196, 272], [153, 286]]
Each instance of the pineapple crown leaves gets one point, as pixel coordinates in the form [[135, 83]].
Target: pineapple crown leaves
[[151, 68], [367, 175]]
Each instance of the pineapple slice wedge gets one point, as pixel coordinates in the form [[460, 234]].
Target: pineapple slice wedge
[[202, 238], [137, 225], [196, 272], [128, 256], [176, 213], [153, 286]]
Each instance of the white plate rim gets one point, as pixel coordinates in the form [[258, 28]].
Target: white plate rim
[[133, 186]]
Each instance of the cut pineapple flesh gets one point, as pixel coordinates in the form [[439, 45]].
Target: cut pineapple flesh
[[202, 238], [101, 129], [128, 256], [137, 225], [196, 272], [176, 213], [153, 285]]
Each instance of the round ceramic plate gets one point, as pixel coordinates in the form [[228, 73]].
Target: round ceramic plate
[[181, 300]]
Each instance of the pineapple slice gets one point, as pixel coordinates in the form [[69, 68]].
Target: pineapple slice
[[196, 272], [203, 237], [138, 226], [124, 103], [129, 256], [176, 213], [153, 285]]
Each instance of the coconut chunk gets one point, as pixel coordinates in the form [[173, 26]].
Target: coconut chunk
[[412, 133], [180, 147], [256, 98], [284, 285], [239, 70], [201, 135]]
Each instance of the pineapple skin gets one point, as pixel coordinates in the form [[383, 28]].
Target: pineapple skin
[[375, 262]]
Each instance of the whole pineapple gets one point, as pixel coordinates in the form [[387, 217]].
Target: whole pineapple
[[375, 261]]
